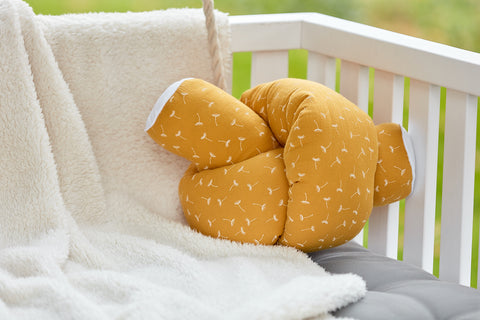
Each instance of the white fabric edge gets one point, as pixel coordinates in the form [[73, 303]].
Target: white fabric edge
[[162, 100], [408, 143]]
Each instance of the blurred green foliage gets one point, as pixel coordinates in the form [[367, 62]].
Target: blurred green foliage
[[453, 22]]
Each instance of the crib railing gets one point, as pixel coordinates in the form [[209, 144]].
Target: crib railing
[[397, 62]]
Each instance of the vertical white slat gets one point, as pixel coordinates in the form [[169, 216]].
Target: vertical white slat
[[458, 187], [423, 123], [387, 107], [322, 69], [268, 66], [354, 86], [359, 238]]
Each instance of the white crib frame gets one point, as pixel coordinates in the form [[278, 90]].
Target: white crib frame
[[430, 66]]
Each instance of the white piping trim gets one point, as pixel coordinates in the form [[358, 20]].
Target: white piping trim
[[161, 102], [408, 143]]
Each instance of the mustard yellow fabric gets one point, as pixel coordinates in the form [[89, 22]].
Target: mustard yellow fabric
[[394, 175], [293, 162]]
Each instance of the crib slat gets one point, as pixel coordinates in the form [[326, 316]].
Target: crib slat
[[359, 238], [458, 187], [354, 83], [322, 69], [388, 97], [354, 86], [418, 246], [387, 107], [268, 66]]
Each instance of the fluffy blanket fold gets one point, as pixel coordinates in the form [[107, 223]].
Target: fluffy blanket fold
[[90, 222]]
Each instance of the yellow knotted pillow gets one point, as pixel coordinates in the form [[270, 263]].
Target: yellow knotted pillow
[[293, 162]]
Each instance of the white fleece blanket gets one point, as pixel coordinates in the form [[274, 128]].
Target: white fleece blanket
[[90, 223]]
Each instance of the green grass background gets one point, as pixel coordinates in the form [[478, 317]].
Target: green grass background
[[456, 23]]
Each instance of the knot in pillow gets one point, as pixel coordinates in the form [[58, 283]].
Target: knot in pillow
[[293, 162]]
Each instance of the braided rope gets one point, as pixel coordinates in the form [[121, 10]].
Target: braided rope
[[214, 45]]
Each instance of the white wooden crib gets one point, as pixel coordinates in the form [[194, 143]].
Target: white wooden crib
[[394, 57]]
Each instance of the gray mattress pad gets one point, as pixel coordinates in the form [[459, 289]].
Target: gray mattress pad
[[398, 290]]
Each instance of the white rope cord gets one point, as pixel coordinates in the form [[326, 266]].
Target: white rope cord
[[214, 45]]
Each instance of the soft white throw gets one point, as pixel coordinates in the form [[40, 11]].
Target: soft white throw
[[90, 222]]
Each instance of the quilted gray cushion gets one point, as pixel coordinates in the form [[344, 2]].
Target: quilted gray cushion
[[398, 290]]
